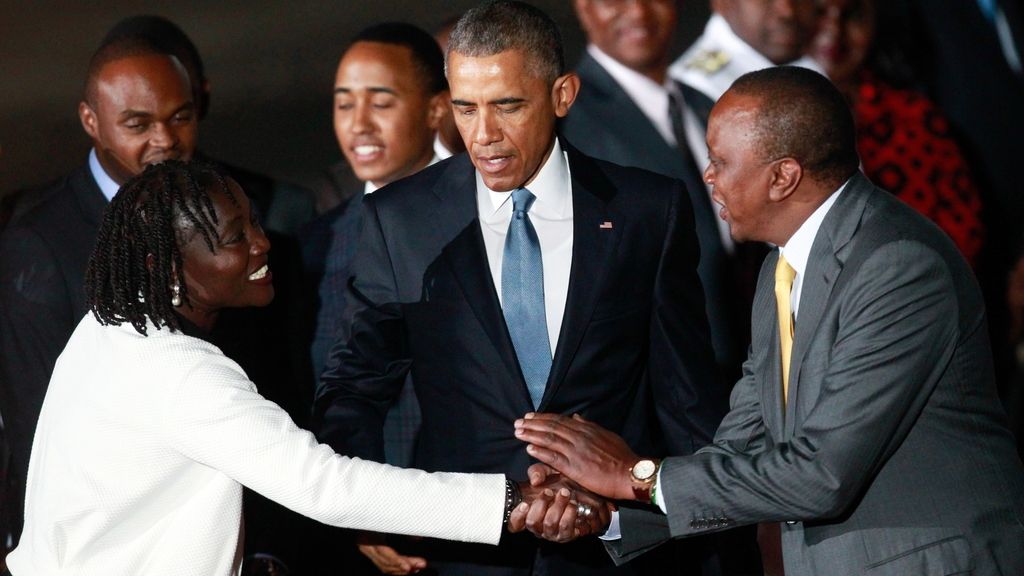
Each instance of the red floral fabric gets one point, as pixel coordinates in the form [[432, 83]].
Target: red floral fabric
[[906, 147]]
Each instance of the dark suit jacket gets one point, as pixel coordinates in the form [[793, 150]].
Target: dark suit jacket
[[892, 456], [607, 124], [43, 255], [632, 353]]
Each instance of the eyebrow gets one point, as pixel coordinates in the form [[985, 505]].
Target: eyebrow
[[498, 102], [228, 224], [130, 114], [372, 89]]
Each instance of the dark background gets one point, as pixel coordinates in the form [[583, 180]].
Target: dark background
[[271, 66]]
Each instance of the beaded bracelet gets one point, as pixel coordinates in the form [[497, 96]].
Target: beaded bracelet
[[512, 499]]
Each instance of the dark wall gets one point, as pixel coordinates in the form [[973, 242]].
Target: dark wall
[[271, 65]]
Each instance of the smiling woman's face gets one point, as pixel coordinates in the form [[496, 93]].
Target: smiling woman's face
[[236, 273]]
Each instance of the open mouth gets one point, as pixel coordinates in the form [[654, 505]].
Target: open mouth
[[261, 273], [364, 152]]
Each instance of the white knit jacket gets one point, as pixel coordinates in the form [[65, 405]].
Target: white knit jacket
[[143, 446]]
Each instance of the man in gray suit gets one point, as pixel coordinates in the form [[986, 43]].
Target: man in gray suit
[[882, 448]]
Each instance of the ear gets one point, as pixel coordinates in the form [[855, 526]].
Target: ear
[[786, 177], [564, 92], [88, 118], [438, 108]]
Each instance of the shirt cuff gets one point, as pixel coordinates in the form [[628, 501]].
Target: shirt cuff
[[613, 532], [658, 500]]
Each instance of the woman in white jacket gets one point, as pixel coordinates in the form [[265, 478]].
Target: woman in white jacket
[[148, 432]]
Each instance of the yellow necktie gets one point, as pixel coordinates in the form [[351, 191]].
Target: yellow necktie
[[784, 275]]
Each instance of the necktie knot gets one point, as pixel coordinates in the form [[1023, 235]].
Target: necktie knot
[[522, 200], [784, 273]]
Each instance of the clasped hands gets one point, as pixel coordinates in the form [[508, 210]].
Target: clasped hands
[[582, 467]]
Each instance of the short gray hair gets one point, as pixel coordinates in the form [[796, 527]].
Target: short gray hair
[[503, 25]]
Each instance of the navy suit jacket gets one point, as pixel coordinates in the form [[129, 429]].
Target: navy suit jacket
[[608, 125], [633, 351], [43, 255]]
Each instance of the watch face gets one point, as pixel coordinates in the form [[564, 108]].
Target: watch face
[[644, 469]]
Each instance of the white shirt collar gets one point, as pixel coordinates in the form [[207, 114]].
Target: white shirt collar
[[732, 44], [103, 180], [798, 248], [649, 96], [369, 188], [551, 187]]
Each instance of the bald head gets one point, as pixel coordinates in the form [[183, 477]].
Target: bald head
[[138, 110], [802, 115], [780, 141]]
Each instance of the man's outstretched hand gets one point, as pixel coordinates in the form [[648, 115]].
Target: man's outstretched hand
[[557, 509], [587, 454]]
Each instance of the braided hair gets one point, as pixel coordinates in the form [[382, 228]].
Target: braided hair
[[137, 259]]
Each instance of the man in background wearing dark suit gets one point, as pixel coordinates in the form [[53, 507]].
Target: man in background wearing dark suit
[[390, 96], [630, 112], [522, 274], [866, 421], [137, 109]]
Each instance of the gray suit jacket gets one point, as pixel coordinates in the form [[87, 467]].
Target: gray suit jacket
[[892, 456]]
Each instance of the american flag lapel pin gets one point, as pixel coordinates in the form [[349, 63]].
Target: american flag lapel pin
[[606, 225]]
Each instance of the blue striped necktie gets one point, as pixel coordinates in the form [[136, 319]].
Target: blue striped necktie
[[522, 295]]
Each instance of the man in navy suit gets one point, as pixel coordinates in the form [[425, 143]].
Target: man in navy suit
[[631, 112], [596, 264], [137, 109], [390, 96]]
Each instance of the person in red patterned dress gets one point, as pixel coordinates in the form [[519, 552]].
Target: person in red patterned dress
[[904, 140]]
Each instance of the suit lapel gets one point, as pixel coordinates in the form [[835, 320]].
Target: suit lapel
[[771, 392], [592, 249], [823, 267], [91, 201], [456, 210]]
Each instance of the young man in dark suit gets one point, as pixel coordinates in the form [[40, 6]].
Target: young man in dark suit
[[523, 274]]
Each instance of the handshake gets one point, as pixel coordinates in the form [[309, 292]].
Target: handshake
[[582, 470]]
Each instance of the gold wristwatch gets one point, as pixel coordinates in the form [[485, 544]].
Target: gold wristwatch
[[643, 474]]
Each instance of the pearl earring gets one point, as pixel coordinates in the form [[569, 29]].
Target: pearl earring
[[176, 297]]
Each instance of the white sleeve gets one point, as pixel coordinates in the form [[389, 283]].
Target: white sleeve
[[216, 417]]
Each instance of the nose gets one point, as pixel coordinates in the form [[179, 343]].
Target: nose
[[486, 130], [163, 136], [258, 243], [709, 176], [362, 122]]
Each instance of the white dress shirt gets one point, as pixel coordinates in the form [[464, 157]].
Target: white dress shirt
[[144, 443], [551, 216], [736, 57], [798, 248], [103, 180]]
